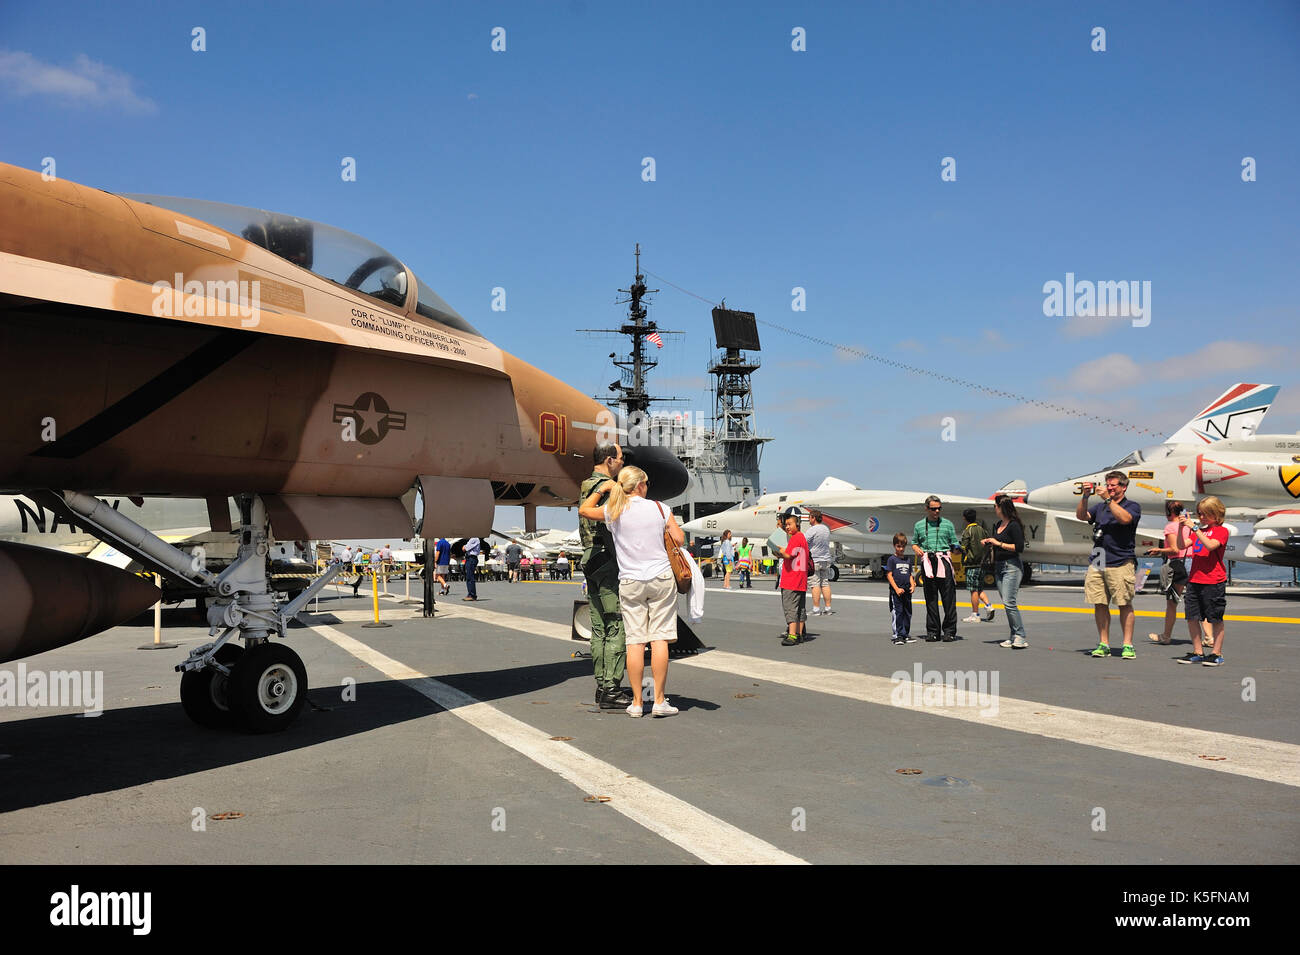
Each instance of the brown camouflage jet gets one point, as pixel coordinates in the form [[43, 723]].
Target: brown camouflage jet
[[158, 346]]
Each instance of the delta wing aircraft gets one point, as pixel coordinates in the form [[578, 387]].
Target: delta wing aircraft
[[223, 351], [863, 522], [1257, 476]]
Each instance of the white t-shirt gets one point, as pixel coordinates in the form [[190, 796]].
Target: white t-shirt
[[819, 543], [639, 540]]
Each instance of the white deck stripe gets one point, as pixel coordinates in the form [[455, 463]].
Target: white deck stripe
[[702, 835], [1264, 759]]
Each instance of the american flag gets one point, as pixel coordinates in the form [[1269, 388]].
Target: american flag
[[655, 337]]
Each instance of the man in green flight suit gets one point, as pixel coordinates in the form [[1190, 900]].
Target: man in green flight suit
[[600, 567]]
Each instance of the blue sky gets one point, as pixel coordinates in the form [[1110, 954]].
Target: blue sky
[[775, 169]]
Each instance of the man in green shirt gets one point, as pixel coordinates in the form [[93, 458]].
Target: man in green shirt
[[600, 567], [934, 539]]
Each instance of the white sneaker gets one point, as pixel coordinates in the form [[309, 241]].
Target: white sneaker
[[635, 710], [973, 618], [1007, 643], [664, 709], [816, 611], [1020, 643]]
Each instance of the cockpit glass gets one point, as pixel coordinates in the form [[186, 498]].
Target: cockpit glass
[[1148, 455], [330, 252], [429, 304]]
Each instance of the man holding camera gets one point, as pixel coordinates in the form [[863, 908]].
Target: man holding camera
[[1112, 573]]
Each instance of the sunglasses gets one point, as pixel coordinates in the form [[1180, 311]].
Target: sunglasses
[[934, 508]]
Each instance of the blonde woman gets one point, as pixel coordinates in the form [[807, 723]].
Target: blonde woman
[[647, 591]]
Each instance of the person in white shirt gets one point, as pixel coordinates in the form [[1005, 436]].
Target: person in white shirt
[[647, 591]]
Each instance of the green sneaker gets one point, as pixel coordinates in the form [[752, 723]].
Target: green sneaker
[[1103, 650], [1128, 653]]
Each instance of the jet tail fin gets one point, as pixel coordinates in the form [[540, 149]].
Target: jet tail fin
[[1016, 488], [1234, 414], [835, 484]]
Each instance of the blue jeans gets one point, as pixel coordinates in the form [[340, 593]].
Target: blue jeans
[[1009, 574], [471, 571]]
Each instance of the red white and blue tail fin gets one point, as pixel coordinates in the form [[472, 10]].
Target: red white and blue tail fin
[[1234, 414]]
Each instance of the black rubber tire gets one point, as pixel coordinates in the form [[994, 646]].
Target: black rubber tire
[[835, 573], [205, 693], [1029, 573], [268, 688]]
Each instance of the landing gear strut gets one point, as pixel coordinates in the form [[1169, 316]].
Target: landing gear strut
[[261, 687]]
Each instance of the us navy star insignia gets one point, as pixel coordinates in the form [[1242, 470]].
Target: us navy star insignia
[[374, 419]]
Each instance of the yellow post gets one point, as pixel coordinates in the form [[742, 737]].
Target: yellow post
[[374, 594], [157, 612]]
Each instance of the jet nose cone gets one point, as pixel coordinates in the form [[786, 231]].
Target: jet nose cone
[[666, 475]]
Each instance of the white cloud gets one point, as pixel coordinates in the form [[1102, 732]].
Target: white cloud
[[86, 83], [1120, 371], [1107, 373], [1222, 356]]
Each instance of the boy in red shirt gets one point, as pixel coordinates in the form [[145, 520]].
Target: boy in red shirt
[[794, 578], [1207, 583]]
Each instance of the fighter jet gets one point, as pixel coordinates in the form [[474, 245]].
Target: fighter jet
[[1257, 476], [224, 351], [863, 522]]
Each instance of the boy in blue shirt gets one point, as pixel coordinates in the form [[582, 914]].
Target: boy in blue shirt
[[898, 574]]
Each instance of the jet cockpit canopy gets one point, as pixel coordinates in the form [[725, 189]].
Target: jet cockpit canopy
[[1148, 455], [341, 257]]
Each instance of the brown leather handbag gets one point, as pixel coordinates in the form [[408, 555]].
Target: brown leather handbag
[[681, 566]]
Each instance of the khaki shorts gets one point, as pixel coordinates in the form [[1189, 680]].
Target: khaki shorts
[[649, 609], [1115, 584]]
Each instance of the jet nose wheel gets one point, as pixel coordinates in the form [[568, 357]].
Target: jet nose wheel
[[205, 693], [268, 688], [835, 573]]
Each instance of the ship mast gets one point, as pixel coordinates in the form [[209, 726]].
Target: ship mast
[[633, 400]]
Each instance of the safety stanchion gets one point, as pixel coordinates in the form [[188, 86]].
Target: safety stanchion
[[374, 593], [157, 621]]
